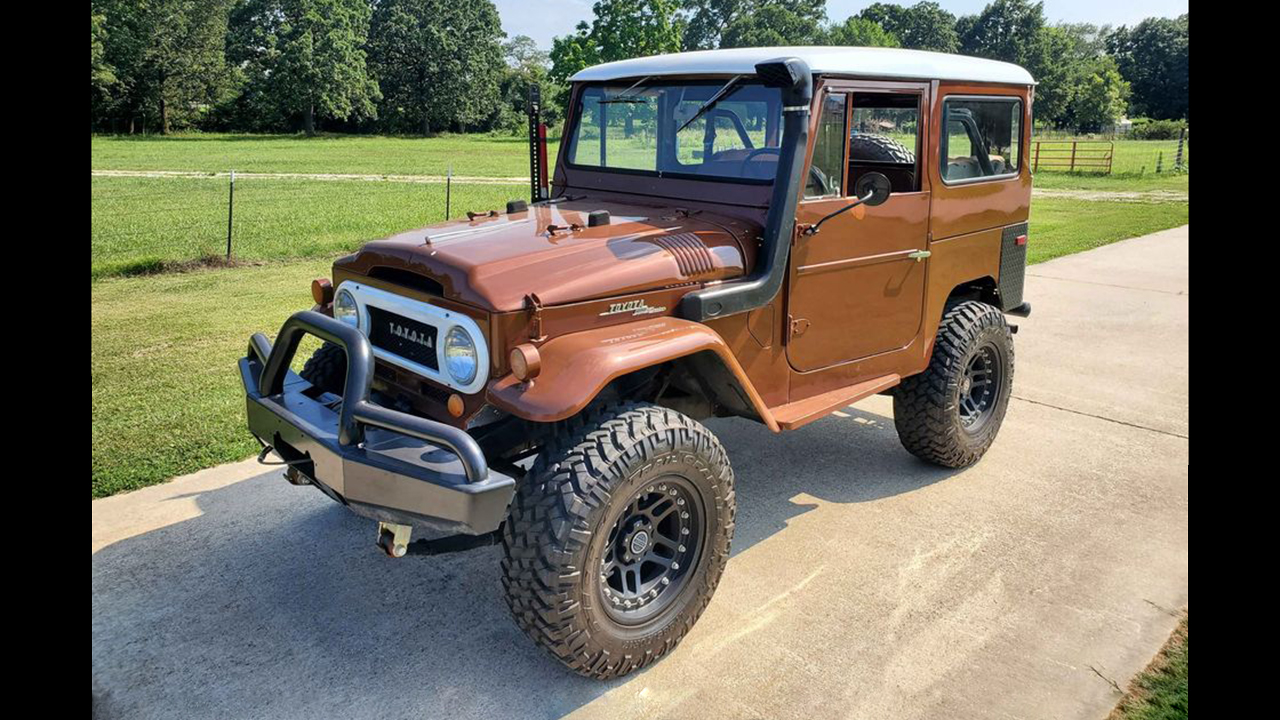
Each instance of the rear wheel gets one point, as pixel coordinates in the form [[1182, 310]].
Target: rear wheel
[[617, 539], [950, 413]]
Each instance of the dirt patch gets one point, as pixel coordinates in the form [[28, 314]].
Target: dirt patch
[[153, 266], [428, 179], [1134, 196]]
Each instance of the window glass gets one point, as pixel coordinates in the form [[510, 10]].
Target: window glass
[[983, 139], [826, 172], [643, 127], [884, 138]]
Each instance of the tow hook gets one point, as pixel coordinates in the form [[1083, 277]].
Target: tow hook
[[393, 538]]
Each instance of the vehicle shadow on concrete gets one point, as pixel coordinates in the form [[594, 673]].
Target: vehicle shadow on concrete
[[275, 603]]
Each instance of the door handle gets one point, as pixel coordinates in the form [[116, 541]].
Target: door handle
[[919, 255]]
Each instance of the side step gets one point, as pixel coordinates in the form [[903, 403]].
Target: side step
[[802, 412]]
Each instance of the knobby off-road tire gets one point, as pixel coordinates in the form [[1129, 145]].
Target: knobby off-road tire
[[580, 513], [949, 414], [879, 148], [327, 368]]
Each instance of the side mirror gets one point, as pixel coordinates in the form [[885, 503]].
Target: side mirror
[[872, 188]]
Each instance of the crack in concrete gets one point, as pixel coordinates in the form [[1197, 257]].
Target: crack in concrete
[[1109, 680], [1102, 417]]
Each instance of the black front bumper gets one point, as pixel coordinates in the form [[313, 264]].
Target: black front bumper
[[383, 464]]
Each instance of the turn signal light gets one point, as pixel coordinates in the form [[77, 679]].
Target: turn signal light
[[526, 363], [1020, 240], [322, 291]]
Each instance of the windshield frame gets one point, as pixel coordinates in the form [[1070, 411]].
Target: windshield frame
[[570, 136]]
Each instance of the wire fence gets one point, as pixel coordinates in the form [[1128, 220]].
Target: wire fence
[[148, 223]]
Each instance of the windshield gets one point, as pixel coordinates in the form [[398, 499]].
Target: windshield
[[633, 127]]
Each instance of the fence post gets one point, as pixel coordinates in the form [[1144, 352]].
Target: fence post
[[1073, 156], [1182, 137], [448, 188], [231, 206], [1159, 161], [1036, 165]]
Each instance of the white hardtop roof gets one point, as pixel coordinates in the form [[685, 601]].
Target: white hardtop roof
[[823, 60]]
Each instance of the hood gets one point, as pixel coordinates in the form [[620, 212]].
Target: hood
[[494, 261]]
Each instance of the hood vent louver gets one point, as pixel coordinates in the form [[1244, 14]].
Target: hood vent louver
[[691, 255]]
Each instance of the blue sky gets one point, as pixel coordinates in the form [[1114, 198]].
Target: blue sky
[[544, 19]]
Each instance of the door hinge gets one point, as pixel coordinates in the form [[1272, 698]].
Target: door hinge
[[798, 326]]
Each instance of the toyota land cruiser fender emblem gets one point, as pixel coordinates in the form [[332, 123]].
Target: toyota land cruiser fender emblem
[[634, 307]]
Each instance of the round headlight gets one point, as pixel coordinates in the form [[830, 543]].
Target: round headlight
[[344, 309], [460, 356]]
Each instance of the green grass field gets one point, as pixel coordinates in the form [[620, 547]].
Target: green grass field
[[477, 155], [140, 224], [166, 396]]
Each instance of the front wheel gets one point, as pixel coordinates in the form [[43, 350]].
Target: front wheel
[[617, 539], [949, 414]]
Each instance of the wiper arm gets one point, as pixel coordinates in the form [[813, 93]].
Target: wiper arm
[[624, 97], [724, 89]]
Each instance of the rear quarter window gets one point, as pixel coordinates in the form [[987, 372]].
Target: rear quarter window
[[981, 139]]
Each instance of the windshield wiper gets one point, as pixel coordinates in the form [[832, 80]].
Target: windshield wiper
[[624, 97], [712, 101]]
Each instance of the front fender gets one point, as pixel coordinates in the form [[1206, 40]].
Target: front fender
[[576, 367]]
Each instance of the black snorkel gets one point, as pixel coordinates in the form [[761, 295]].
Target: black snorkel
[[792, 75]]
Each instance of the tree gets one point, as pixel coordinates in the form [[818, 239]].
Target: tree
[[526, 65], [438, 63], [705, 21], [522, 53], [103, 74], [1152, 56], [621, 29], [167, 55], [306, 57], [860, 32], [777, 22], [923, 26], [1101, 97]]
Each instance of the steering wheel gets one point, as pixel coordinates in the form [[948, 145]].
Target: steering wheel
[[814, 173]]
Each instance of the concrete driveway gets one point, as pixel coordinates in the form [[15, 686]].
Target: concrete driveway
[[863, 584]]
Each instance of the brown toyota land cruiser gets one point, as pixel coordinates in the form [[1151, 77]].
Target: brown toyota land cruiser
[[766, 233]]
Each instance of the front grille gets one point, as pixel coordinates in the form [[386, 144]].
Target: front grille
[[410, 339], [1013, 266]]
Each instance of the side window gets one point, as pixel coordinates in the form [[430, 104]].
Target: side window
[[826, 172], [983, 138], [885, 138]]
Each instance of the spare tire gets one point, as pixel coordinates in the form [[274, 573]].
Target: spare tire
[[879, 148]]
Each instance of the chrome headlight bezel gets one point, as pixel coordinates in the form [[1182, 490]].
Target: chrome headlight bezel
[[445, 320], [345, 308], [459, 346]]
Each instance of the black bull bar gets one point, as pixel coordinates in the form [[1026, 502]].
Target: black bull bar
[[383, 464]]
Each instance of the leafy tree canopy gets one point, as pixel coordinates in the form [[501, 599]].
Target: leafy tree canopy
[[923, 26]]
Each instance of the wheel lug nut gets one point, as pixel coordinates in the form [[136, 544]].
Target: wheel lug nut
[[680, 501], [684, 531], [675, 566], [666, 581], [681, 548], [684, 515]]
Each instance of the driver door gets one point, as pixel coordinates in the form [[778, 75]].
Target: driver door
[[856, 288]]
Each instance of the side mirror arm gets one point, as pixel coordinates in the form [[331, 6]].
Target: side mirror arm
[[813, 229]]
